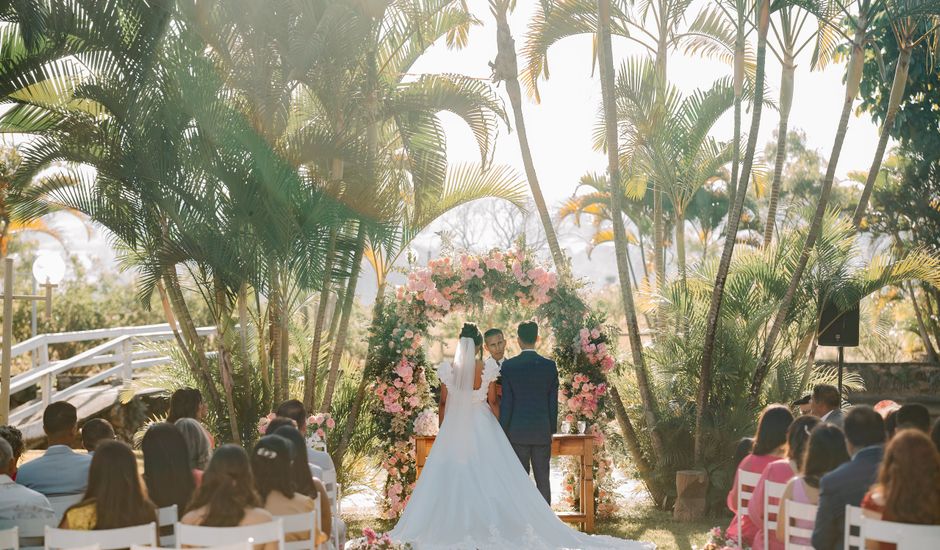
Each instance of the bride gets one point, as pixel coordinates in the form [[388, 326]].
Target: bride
[[473, 492]]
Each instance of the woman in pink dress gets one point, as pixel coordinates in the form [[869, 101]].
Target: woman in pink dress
[[780, 471], [825, 451], [768, 447]]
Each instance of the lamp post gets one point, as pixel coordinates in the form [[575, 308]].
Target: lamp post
[[51, 268]]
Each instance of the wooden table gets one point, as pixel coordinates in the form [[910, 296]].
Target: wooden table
[[562, 445]]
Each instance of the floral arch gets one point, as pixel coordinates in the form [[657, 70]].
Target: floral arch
[[582, 349]]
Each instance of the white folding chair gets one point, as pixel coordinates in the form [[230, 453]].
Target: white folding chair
[[747, 481], [105, 539], [237, 546], [31, 531], [10, 538], [905, 535], [167, 517], [62, 503], [306, 522], [798, 525], [198, 535], [773, 492], [853, 518]]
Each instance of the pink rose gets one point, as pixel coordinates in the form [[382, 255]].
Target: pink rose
[[330, 423]]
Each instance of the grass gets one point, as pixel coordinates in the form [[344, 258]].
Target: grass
[[641, 523]]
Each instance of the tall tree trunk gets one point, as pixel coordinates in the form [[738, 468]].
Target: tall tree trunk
[[223, 324], [731, 231], [339, 342], [194, 344], [605, 54], [275, 324], [894, 103], [738, 85], [356, 409], [680, 246], [786, 102], [310, 381], [921, 327], [262, 350], [632, 440], [853, 79], [506, 70]]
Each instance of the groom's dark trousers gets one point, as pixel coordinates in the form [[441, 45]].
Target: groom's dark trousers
[[528, 412]]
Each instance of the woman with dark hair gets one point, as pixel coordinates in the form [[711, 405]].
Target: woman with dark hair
[[188, 403], [167, 474], [304, 482], [271, 465], [825, 451], [115, 496], [227, 496], [780, 471], [908, 486], [769, 445], [197, 445]]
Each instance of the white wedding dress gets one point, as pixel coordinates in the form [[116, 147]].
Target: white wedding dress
[[473, 493]]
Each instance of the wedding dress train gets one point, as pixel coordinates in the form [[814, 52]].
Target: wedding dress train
[[473, 493]]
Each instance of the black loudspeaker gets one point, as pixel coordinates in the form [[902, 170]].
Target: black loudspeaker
[[838, 328]]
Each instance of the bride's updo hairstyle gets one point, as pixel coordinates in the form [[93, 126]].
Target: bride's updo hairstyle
[[470, 330]]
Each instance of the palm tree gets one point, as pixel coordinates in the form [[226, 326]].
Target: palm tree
[[505, 69], [605, 58], [912, 22], [859, 23], [762, 22]]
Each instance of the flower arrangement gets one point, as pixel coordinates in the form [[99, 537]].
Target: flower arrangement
[[427, 423], [318, 425], [720, 540], [374, 541], [264, 421]]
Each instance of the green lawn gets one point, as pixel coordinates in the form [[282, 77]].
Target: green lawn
[[645, 523]]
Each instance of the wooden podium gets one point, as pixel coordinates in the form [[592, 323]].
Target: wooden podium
[[562, 445]]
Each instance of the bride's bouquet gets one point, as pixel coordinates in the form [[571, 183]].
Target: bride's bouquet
[[373, 541], [426, 424]]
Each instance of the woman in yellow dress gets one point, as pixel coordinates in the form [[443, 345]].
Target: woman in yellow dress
[[115, 496]]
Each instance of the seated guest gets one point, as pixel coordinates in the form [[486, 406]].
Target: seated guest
[[60, 471], [18, 502], [935, 434], [780, 471], [188, 403], [891, 423], [227, 496], [826, 403], [914, 415], [197, 444], [742, 449], [115, 497], [15, 438], [768, 447], [908, 488], [825, 451], [167, 472], [804, 404], [94, 432], [295, 410], [271, 466], [304, 483], [847, 484], [281, 421]]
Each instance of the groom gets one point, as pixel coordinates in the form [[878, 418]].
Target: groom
[[528, 411]]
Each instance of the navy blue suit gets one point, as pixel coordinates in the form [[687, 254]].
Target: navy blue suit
[[528, 412], [847, 484]]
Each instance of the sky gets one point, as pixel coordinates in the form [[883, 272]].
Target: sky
[[560, 126]]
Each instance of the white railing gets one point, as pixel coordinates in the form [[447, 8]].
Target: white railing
[[125, 350]]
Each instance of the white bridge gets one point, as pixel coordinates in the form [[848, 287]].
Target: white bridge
[[106, 368]]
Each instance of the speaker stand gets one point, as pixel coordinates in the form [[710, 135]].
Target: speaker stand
[[841, 363]]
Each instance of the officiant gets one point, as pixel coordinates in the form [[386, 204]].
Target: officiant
[[495, 344]]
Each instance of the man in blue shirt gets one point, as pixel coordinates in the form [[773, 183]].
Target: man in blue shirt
[[61, 471]]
